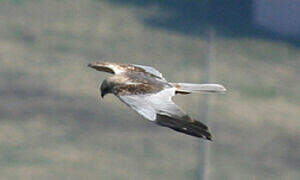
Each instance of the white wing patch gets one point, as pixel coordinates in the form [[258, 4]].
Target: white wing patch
[[149, 105], [140, 105], [163, 104]]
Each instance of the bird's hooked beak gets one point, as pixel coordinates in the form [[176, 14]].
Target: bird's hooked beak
[[103, 94], [105, 88], [101, 66]]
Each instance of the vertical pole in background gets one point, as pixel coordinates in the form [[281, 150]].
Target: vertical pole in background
[[204, 167]]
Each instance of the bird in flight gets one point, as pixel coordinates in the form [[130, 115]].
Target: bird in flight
[[145, 90]]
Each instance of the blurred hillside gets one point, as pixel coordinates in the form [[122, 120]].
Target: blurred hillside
[[53, 125]]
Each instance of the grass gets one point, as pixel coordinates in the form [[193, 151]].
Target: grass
[[258, 92]]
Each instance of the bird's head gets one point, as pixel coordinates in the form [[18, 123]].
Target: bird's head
[[106, 87]]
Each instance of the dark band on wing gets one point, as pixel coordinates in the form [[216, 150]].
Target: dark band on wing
[[137, 89], [140, 83]]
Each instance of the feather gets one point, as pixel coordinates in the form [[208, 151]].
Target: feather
[[187, 88]]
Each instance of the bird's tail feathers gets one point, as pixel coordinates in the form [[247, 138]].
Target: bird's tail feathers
[[187, 88]]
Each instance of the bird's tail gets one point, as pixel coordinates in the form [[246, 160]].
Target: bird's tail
[[187, 88]]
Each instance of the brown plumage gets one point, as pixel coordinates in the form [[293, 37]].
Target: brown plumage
[[145, 90]]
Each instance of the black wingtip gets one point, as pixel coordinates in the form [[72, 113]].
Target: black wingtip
[[209, 138], [205, 136]]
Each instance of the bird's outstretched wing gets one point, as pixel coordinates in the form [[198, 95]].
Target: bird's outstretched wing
[[161, 109], [149, 70], [118, 68]]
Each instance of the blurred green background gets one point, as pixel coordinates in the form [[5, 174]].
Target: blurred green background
[[53, 125]]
